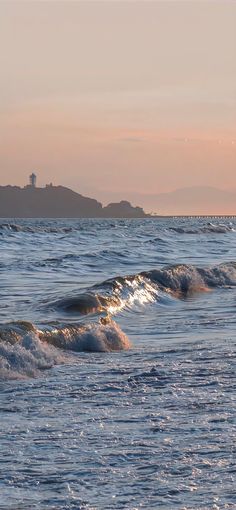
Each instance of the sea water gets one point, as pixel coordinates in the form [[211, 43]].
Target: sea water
[[117, 364]]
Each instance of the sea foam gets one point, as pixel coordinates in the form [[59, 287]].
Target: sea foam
[[25, 358], [26, 350]]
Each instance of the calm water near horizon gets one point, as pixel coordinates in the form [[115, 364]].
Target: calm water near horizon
[[118, 364]]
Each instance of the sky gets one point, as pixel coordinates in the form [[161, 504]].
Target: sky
[[113, 98]]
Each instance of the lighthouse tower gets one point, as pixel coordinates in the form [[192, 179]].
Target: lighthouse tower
[[32, 180]]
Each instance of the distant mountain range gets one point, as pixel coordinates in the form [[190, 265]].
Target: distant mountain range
[[59, 202], [198, 200], [201, 200]]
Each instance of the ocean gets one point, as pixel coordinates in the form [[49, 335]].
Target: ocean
[[117, 364]]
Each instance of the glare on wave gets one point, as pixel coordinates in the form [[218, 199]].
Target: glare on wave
[[133, 292]]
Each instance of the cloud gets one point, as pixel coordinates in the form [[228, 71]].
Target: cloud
[[131, 139]]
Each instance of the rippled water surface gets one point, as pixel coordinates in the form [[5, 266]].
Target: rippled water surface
[[117, 364]]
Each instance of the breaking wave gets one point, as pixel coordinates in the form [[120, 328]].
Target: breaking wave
[[210, 228], [157, 285], [26, 350], [14, 228], [26, 357], [106, 336], [111, 296], [184, 278]]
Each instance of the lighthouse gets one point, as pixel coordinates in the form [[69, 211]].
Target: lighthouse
[[32, 180]]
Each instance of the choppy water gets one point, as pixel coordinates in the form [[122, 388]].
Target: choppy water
[[117, 364]]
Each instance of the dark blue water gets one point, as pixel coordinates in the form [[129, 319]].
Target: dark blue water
[[117, 364]]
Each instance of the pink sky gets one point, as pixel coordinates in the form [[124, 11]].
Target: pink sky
[[128, 96]]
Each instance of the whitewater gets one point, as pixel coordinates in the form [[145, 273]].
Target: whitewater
[[118, 364]]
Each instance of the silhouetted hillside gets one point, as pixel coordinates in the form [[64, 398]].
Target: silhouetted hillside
[[123, 209], [58, 202]]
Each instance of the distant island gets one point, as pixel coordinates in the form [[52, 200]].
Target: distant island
[[59, 202]]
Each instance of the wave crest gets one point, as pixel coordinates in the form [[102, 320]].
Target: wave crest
[[26, 350], [114, 295], [182, 279], [156, 285], [84, 303], [36, 229], [106, 336], [210, 228]]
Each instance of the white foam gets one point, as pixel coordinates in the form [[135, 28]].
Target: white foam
[[25, 353], [102, 337], [25, 358], [131, 292]]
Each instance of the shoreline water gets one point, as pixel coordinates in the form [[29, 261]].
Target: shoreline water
[[117, 367]]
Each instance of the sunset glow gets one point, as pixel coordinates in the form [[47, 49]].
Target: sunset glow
[[118, 97]]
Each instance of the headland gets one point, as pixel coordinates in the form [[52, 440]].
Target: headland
[[59, 202]]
